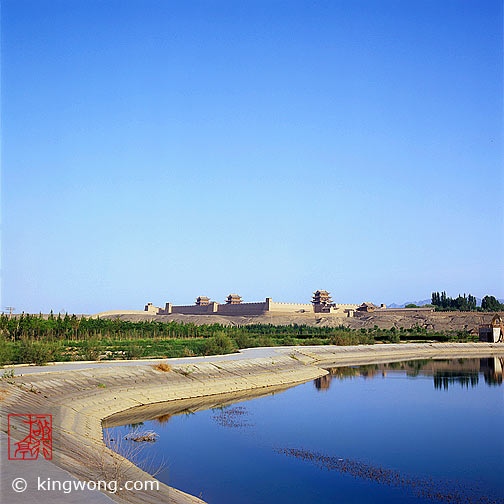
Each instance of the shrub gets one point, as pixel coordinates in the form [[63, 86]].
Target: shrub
[[134, 351], [91, 349], [394, 338], [343, 339], [36, 352], [219, 344], [6, 352], [366, 340], [187, 352], [264, 341], [289, 341], [313, 341], [244, 341]]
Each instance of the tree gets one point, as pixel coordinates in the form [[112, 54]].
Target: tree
[[460, 303], [471, 302], [464, 303], [489, 303]]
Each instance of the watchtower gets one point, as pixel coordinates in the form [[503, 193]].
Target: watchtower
[[233, 299], [321, 301], [321, 297]]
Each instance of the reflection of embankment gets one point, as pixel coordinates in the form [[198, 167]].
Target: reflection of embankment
[[445, 372], [423, 488], [162, 412]]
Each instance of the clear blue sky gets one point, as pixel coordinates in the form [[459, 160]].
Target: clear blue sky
[[161, 150]]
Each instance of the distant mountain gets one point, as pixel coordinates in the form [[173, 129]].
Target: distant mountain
[[418, 303]]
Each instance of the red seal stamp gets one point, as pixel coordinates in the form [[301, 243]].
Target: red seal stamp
[[38, 441]]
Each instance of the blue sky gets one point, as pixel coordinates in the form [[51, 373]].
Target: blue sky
[[161, 150]]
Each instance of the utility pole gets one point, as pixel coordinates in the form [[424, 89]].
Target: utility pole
[[11, 309]]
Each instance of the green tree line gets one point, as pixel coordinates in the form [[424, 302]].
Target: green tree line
[[442, 302], [73, 328], [38, 339]]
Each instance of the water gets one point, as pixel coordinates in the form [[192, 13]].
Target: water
[[419, 431]]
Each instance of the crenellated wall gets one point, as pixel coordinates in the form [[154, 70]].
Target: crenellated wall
[[290, 307], [245, 309], [196, 309], [242, 309]]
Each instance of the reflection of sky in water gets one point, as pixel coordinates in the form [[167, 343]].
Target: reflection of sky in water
[[431, 430]]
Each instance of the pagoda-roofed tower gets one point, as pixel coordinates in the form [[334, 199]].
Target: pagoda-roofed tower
[[321, 297], [202, 301], [233, 299]]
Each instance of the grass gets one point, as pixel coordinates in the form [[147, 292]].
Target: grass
[[106, 465], [184, 372], [142, 436], [7, 374]]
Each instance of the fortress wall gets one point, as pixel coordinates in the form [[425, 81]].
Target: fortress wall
[[222, 309], [193, 309], [337, 309], [242, 309], [402, 310], [246, 309], [339, 312], [290, 307]]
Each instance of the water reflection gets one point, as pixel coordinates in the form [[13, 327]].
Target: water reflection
[[445, 372], [425, 488], [492, 370], [443, 379], [392, 440], [232, 417]]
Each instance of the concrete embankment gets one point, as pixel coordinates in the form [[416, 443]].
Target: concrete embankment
[[79, 400]]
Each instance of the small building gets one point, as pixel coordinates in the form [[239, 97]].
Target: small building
[[202, 301], [150, 308], [233, 299], [493, 332], [366, 307]]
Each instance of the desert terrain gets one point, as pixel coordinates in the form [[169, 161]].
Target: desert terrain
[[384, 319]]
